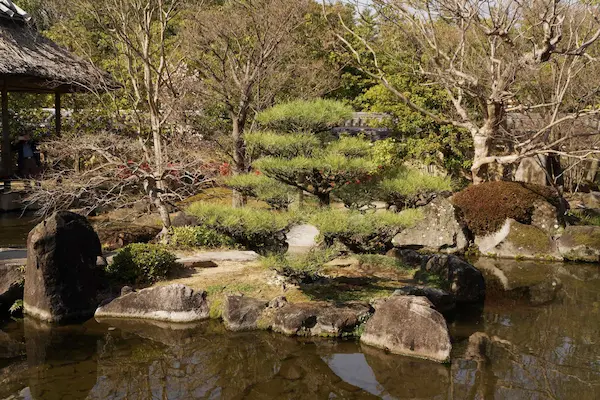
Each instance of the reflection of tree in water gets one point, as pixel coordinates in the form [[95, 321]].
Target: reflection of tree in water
[[552, 350], [252, 365]]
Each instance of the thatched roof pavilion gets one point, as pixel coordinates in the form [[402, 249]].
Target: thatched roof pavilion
[[29, 62]]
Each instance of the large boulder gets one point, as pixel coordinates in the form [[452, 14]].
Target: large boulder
[[516, 240], [439, 231], [442, 301], [61, 278], [11, 286], [319, 319], [242, 313], [302, 238], [532, 170], [456, 276], [410, 326], [173, 303], [116, 236], [580, 243]]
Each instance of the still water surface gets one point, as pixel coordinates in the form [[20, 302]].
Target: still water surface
[[547, 351], [14, 229]]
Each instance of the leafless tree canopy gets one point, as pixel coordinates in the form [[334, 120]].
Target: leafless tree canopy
[[494, 58]]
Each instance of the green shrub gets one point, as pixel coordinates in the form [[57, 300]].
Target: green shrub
[[364, 233], [272, 192], [313, 115], [301, 268], [260, 230], [408, 187], [141, 263], [199, 236]]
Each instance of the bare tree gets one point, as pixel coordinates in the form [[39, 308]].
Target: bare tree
[[494, 58], [116, 172], [246, 52], [147, 48]]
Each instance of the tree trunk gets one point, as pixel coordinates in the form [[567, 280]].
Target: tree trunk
[[324, 199], [481, 147], [153, 192], [239, 156]]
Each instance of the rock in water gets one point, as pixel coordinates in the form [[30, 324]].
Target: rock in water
[[439, 231], [242, 313], [173, 303], [580, 243], [319, 319], [11, 286], [457, 276], [442, 301], [408, 325], [61, 279]]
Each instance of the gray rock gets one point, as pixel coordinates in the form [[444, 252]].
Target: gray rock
[[442, 301], [458, 277], [183, 219], [62, 279], [242, 313], [173, 303], [532, 170], [580, 243], [408, 325], [516, 240], [439, 231], [546, 217], [302, 238], [278, 302], [319, 319], [11, 286]]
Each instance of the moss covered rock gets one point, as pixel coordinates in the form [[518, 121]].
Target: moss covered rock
[[580, 243], [486, 207], [516, 240]]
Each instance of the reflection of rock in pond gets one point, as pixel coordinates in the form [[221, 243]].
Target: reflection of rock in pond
[[55, 356]]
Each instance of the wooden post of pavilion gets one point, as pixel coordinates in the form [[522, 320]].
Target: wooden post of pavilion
[[6, 158]]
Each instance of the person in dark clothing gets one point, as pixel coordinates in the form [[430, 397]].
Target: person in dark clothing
[[28, 159]]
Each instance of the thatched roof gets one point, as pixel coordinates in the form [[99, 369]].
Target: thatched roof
[[32, 63]]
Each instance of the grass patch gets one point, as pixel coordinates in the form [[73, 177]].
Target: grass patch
[[381, 261], [302, 267]]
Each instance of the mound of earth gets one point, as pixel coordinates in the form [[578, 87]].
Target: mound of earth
[[484, 208]]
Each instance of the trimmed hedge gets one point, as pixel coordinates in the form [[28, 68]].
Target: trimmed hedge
[[199, 236], [256, 229], [485, 207], [410, 188], [364, 233]]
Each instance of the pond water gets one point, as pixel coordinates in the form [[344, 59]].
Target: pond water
[[549, 351], [14, 229]]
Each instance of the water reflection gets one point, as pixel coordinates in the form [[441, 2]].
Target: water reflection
[[531, 351]]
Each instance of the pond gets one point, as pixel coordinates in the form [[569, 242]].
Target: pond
[[14, 229], [549, 351]]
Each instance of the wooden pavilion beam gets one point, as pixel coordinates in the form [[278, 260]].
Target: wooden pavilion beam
[[6, 158]]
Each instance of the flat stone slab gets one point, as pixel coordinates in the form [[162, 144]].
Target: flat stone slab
[[215, 256], [302, 238], [173, 303], [13, 256]]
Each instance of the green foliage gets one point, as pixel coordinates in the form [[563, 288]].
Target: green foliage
[[422, 139], [272, 192], [407, 185], [301, 268], [287, 145], [301, 115], [141, 263], [257, 229], [351, 147], [16, 307], [199, 236], [364, 233]]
